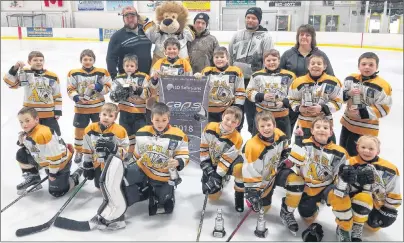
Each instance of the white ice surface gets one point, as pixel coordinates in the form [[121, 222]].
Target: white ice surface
[[182, 225]]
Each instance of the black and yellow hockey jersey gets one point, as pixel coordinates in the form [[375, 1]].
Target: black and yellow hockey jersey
[[221, 149], [42, 91], [317, 164], [152, 151], [261, 159], [93, 133], [386, 189], [47, 148], [326, 91], [226, 88], [141, 80], [376, 94], [77, 82], [278, 83]]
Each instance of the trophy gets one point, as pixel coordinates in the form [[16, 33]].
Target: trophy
[[307, 96], [23, 77], [356, 98], [175, 178], [219, 231], [272, 100], [261, 230]]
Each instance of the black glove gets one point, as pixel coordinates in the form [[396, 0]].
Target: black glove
[[213, 185], [207, 168], [88, 170], [348, 174], [314, 233], [253, 196], [384, 217], [106, 146], [120, 93], [365, 176]]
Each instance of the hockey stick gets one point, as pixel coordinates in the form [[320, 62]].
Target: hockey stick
[[202, 217], [47, 225], [25, 193]]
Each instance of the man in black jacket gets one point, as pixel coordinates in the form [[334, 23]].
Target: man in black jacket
[[129, 40]]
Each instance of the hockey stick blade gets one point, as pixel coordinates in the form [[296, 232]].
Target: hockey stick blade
[[47, 225], [25, 193], [70, 224]]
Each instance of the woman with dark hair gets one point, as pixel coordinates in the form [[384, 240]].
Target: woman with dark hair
[[294, 59]]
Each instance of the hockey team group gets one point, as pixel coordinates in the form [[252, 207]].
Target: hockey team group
[[138, 159]]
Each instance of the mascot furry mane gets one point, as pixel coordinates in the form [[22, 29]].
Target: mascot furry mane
[[172, 17]]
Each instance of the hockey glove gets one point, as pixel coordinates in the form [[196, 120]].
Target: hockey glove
[[383, 217], [213, 185], [365, 176], [88, 170], [207, 168], [254, 200], [314, 233], [106, 145], [348, 174]]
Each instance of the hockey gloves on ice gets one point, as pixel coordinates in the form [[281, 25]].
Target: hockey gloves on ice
[[348, 174], [104, 145], [314, 233], [365, 175], [254, 200], [213, 184], [383, 217], [207, 168], [88, 170]]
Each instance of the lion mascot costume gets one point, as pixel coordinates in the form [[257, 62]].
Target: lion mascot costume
[[171, 21]]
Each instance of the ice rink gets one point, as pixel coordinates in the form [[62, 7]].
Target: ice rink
[[182, 225]]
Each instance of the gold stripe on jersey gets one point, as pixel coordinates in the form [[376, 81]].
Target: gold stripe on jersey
[[261, 159], [42, 93], [386, 189], [47, 149], [321, 164], [220, 149], [226, 87], [181, 67], [93, 133], [326, 83], [378, 100], [139, 106], [152, 152], [77, 82], [258, 84]]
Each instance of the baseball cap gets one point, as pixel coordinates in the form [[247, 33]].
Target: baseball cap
[[129, 10]]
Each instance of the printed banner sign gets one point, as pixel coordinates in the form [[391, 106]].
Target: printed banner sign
[[90, 5], [187, 98], [39, 32], [118, 5], [197, 6], [109, 32], [236, 3]]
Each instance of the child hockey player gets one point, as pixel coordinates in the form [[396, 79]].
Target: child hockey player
[[319, 161], [220, 156], [101, 139], [86, 86], [226, 85], [313, 94], [264, 167], [41, 89], [160, 151], [368, 98], [131, 89], [41, 147], [172, 64], [376, 194], [268, 89]]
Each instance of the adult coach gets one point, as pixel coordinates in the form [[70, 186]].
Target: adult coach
[[246, 49], [200, 50], [129, 40], [294, 59]]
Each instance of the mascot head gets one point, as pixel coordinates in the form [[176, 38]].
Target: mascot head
[[172, 17]]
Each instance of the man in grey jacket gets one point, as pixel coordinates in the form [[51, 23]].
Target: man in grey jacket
[[200, 50], [246, 49]]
